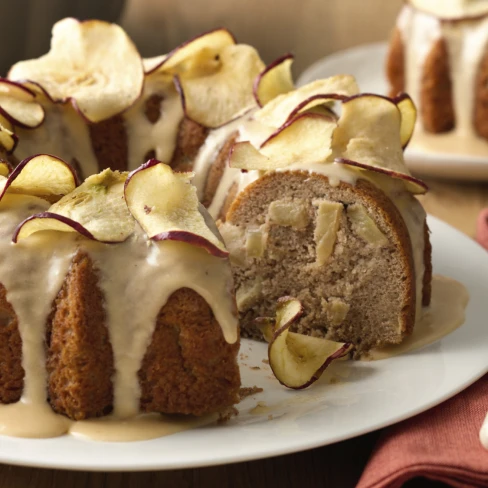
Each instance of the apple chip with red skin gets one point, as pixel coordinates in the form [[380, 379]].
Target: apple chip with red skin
[[95, 210], [368, 137], [276, 79], [91, 63], [276, 112], [305, 139], [181, 59], [223, 92], [166, 206], [43, 176], [19, 106], [409, 117], [297, 360]]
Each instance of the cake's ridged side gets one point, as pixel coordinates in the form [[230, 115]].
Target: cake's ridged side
[[436, 99], [110, 144], [79, 355], [11, 371], [427, 281], [377, 283], [217, 170], [191, 136], [395, 64], [481, 98], [188, 368]]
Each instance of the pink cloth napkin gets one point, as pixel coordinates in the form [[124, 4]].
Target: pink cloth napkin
[[441, 444]]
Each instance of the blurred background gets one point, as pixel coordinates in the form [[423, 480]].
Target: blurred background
[[310, 29]]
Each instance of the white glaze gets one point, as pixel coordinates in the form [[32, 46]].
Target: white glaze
[[444, 315], [136, 277], [63, 133], [466, 44], [160, 137]]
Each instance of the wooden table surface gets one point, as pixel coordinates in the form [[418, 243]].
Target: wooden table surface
[[338, 465]]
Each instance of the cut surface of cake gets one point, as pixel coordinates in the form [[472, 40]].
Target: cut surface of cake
[[332, 219], [438, 54], [114, 299]]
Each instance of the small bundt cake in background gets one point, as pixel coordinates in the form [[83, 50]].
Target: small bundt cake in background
[[439, 55], [116, 297]]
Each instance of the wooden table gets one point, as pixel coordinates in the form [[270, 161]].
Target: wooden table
[[339, 465]]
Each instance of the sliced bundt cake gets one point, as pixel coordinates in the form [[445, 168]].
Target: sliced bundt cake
[[331, 218]]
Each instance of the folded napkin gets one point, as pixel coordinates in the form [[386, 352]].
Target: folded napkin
[[441, 444]]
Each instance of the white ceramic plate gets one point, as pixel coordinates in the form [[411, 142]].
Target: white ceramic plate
[[371, 395], [367, 64]]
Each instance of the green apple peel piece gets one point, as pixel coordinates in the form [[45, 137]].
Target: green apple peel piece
[[166, 206], [297, 360]]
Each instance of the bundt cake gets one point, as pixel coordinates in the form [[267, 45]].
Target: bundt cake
[[311, 205], [438, 54], [116, 295]]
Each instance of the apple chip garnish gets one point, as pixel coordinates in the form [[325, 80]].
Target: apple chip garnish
[[277, 111], [409, 117], [96, 210], [166, 206], [42, 176], [179, 60], [8, 140], [368, 137], [276, 79], [19, 106], [5, 168], [297, 360], [218, 97], [305, 139], [92, 63]]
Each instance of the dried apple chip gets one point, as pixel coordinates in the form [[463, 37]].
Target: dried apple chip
[[297, 360], [276, 79], [19, 106], [92, 63], [219, 97], [277, 111], [409, 116], [8, 140], [305, 139], [42, 176], [96, 210], [5, 168], [368, 137], [166, 206], [176, 61]]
